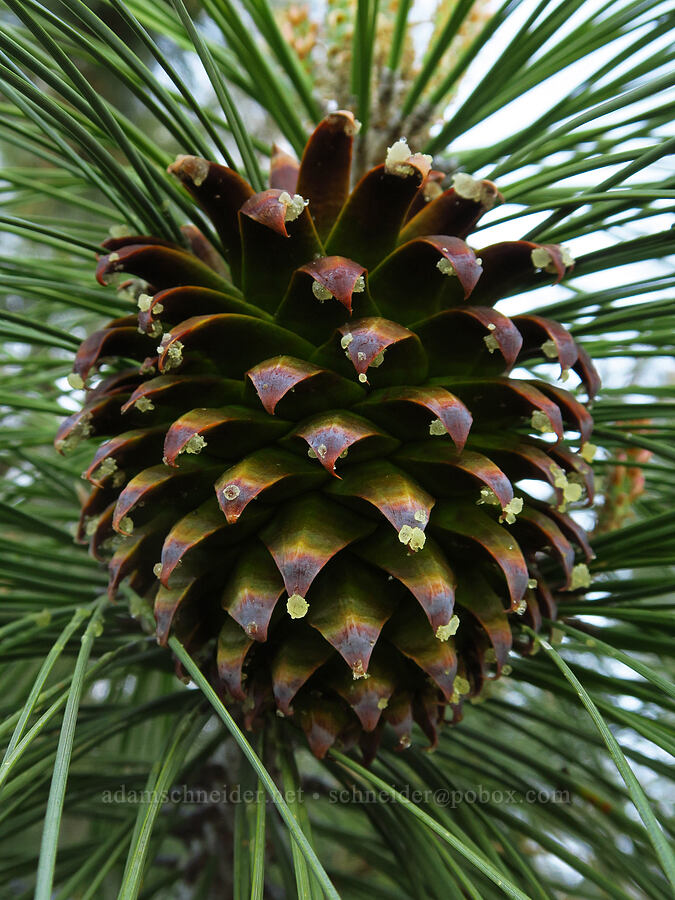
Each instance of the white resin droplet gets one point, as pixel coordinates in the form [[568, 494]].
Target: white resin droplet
[[541, 422], [588, 452], [487, 495], [231, 491], [567, 258], [297, 606], [195, 444], [541, 258], [405, 534], [144, 404], [118, 231], [75, 381], [358, 670], [174, 355], [417, 539], [467, 186], [572, 492], [396, 162], [320, 292], [549, 349], [414, 538], [431, 191], [294, 205], [581, 577], [559, 477], [196, 169], [352, 129], [511, 510], [443, 632], [79, 433], [491, 342], [107, 467], [462, 686]]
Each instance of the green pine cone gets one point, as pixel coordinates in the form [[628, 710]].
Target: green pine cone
[[316, 433]]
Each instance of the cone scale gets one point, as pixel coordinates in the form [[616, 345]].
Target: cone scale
[[311, 442]]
